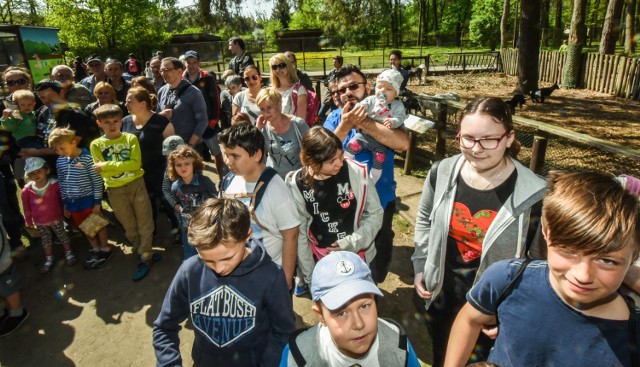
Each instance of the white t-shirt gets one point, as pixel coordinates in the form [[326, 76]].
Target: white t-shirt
[[276, 212], [330, 353], [247, 107], [287, 99]]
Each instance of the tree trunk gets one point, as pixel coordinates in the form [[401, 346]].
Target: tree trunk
[[544, 21], [610, 28], [629, 42], [516, 16], [577, 36], [436, 28], [559, 28], [504, 42], [529, 50], [594, 20]]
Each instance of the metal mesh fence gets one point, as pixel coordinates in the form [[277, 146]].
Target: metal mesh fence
[[562, 153]]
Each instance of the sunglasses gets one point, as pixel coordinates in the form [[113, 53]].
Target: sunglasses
[[11, 83], [251, 77], [279, 66], [352, 87]]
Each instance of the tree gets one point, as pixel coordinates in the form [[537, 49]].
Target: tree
[[484, 27], [23, 12], [529, 50], [610, 28], [577, 38], [559, 29], [629, 42], [281, 12], [544, 21], [504, 24], [112, 26]]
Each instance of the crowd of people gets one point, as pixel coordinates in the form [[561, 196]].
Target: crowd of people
[[308, 209]]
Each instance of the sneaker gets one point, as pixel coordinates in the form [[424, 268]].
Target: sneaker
[[46, 267], [103, 257], [300, 290], [71, 258], [143, 270], [12, 323], [91, 260], [20, 254]]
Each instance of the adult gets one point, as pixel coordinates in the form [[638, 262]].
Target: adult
[[182, 103], [207, 83], [395, 61], [282, 133], [16, 78], [480, 209], [245, 101], [151, 129], [144, 82], [75, 93], [353, 88], [97, 73], [302, 76], [285, 80], [118, 82], [133, 66], [241, 58], [328, 105], [158, 80], [104, 94], [79, 69]]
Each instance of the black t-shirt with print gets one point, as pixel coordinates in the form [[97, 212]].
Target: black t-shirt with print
[[332, 205]]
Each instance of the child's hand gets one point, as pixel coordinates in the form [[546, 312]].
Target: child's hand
[[97, 209], [6, 113], [334, 247], [177, 208], [261, 122], [168, 113], [66, 213], [388, 123], [98, 166], [419, 285]]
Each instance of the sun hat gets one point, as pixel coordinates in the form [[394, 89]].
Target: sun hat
[[33, 164], [339, 277]]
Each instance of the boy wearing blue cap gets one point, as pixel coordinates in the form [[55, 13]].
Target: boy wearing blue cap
[[350, 332]]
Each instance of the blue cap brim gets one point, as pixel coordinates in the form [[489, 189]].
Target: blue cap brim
[[342, 294]]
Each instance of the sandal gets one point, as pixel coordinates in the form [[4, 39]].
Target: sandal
[[48, 263]]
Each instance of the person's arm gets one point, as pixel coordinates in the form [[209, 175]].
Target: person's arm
[[280, 309], [35, 152], [199, 116], [289, 253], [301, 109], [304, 255], [26, 206], [356, 118], [175, 309], [166, 190], [113, 168], [169, 130], [421, 238], [464, 334], [96, 181]]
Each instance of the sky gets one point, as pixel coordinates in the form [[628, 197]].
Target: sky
[[251, 8]]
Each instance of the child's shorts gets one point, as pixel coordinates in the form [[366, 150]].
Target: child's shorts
[[79, 216], [10, 282]]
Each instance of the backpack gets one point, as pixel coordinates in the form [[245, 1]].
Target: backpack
[[313, 104], [256, 195]]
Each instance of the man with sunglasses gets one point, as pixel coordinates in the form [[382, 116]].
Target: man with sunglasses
[[353, 88], [240, 60], [97, 72]]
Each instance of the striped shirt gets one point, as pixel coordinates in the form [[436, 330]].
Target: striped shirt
[[79, 182]]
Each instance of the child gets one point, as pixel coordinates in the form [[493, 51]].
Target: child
[[189, 189], [117, 158], [236, 296], [80, 189], [350, 332], [273, 213], [170, 144], [384, 108], [566, 310], [10, 283], [42, 206], [22, 122], [234, 85]]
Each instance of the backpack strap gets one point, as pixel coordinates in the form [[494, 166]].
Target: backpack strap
[[293, 347], [226, 181], [505, 292], [433, 175], [256, 196]]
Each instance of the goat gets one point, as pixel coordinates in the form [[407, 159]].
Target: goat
[[517, 100], [539, 95], [417, 73]]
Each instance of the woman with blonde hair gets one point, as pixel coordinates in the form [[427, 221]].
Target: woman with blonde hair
[[285, 79], [282, 132], [105, 94]]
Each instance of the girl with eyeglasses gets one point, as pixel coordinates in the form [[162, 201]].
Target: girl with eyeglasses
[[285, 79], [477, 207], [245, 101]]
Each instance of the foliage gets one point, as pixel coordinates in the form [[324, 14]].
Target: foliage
[[22, 12], [271, 28], [112, 26], [308, 16], [484, 28]]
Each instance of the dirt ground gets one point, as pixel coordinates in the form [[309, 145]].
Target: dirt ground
[[596, 114], [102, 318]]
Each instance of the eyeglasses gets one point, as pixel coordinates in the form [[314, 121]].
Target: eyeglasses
[[468, 142], [333, 92], [352, 87], [251, 77], [165, 70], [280, 66], [20, 81]]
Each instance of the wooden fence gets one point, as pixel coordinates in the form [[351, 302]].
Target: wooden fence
[[612, 74]]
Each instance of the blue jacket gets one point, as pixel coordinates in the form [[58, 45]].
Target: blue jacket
[[242, 319]]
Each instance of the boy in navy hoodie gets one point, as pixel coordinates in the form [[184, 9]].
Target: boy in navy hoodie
[[236, 297]]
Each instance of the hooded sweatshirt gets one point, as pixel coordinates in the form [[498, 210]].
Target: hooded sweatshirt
[[242, 319]]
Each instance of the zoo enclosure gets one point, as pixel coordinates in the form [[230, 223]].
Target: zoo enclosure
[[545, 147]]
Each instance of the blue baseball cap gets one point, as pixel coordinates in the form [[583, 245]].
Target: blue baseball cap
[[339, 277]]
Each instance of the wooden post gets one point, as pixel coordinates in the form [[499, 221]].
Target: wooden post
[[359, 62], [408, 157], [318, 90], [441, 127], [324, 68], [538, 154]]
